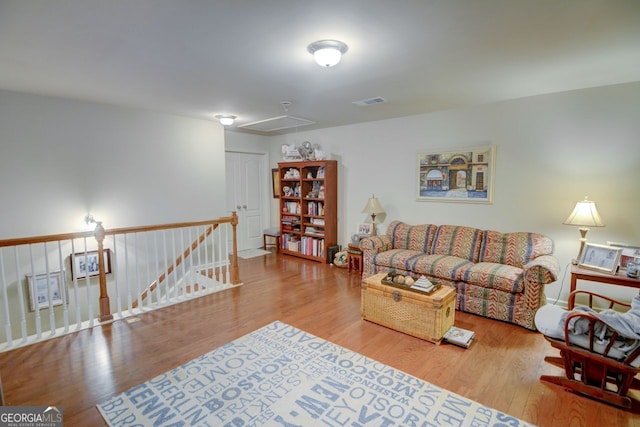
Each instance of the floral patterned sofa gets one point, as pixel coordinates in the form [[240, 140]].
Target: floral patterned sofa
[[496, 275]]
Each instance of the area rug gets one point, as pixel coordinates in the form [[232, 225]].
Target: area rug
[[283, 376], [252, 253]]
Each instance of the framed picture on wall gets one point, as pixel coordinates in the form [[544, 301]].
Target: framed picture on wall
[[275, 183], [456, 175], [85, 264], [603, 258], [46, 290]]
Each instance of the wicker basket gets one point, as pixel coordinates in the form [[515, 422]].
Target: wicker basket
[[414, 313]]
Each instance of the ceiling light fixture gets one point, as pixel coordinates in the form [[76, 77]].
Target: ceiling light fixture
[[226, 119], [327, 53]]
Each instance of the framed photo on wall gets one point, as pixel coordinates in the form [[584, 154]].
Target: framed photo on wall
[[456, 175], [85, 264], [275, 183], [603, 258], [42, 286]]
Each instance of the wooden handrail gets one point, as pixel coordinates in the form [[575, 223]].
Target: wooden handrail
[[233, 219], [45, 239]]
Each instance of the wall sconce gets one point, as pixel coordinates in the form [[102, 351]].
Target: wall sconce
[[226, 119], [584, 215], [373, 208], [327, 53], [90, 222]]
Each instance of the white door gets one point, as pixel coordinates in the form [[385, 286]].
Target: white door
[[245, 177]]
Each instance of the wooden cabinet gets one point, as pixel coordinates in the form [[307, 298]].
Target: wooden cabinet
[[308, 208]]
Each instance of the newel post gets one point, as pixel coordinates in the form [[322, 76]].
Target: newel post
[[105, 307], [235, 272]]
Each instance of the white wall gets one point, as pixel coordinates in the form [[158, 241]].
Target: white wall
[[552, 150], [61, 158]]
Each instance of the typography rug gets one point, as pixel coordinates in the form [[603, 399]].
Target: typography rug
[[283, 376]]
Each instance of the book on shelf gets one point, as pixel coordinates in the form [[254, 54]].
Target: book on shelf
[[314, 231], [292, 207], [312, 246], [459, 336]]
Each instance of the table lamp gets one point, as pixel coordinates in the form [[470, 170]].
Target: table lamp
[[373, 208], [584, 215]]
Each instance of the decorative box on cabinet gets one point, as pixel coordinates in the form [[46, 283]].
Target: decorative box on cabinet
[[308, 208]]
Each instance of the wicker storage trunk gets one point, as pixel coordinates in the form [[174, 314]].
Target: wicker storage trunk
[[412, 312]]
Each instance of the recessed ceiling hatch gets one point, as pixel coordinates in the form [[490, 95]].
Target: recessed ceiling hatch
[[370, 101], [276, 123]]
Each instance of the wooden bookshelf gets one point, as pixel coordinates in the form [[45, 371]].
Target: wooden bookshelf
[[308, 208]]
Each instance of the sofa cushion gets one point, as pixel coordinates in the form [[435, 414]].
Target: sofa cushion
[[515, 249], [441, 266], [412, 237], [495, 276], [403, 259], [457, 241]]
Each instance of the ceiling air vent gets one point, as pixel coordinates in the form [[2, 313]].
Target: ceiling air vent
[[370, 101], [276, 123]]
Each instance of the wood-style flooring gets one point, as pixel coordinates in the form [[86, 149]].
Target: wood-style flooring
[[501, 369]]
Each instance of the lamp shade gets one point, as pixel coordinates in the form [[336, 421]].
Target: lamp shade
[[585, 214], [373, 206]]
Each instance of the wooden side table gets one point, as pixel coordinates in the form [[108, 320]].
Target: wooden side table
[[354, 258], [619, 278]]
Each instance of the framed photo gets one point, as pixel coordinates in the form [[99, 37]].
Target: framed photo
[[41, 286], [629, 252], [86, 264], [275, 183], [365, 229], [456, 175], [602, 258]]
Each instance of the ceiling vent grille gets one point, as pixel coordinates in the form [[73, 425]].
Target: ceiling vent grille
[[370, 101], [276, 124]]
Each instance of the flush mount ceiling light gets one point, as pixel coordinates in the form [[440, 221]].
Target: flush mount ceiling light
[[226, 119], [327, 53]]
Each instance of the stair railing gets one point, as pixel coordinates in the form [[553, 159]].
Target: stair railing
[[60, 284]]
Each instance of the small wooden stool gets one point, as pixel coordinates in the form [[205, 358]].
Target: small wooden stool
[[274, 233], [354, 258]]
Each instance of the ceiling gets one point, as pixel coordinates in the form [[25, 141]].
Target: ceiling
[[201, 58]]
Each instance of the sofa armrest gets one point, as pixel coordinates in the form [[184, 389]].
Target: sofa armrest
[[376, 244], [371, 246], [542, 270]]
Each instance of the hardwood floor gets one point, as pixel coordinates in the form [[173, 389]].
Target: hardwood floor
[[501, 369]]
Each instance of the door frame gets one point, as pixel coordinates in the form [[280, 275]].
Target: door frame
[[266, 183]]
